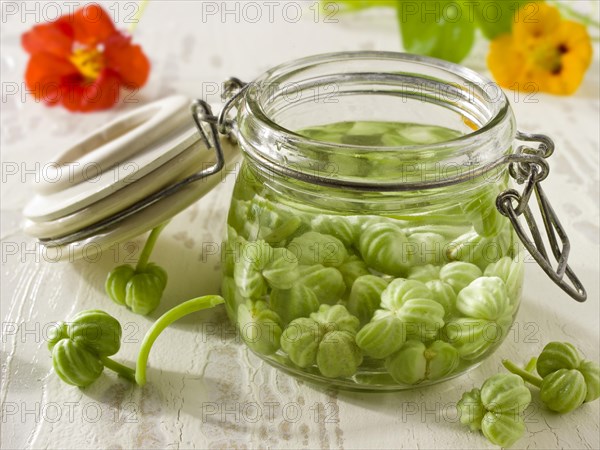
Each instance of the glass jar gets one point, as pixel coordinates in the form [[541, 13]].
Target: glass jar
[[364, 247]]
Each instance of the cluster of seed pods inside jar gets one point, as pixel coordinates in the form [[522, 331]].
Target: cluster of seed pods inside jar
[[414, 299]]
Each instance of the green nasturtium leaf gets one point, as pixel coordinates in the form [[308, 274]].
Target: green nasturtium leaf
[[496, 17], [442, 29]]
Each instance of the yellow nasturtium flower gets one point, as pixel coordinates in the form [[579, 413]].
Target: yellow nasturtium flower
[[543, 49]]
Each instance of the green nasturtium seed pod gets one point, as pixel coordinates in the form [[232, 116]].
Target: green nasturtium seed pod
[[116, 283], [425, 273], [415, 363], [591, 374], [423, 318], [315, 248], [247, 272], [352, 269], [425, 248], [282, 271], [481, 211], [290, 304], [300, 340], [459, 274], [380, 338], [443, 293], [563, 390], [338, 226], [365, 296], [259, 327], [144, 290], [335, 318], [471, 410], [400, 290], [473, 337], [57, 333], [557, 355], [504, 392], [233, 297], [484, 298], [383, 247], [338, 355], [511, 272], [96, 330], [502, 429], [326, 282], [75, 364]]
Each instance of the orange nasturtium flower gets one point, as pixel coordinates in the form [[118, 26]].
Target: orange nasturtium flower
[[81, 61], [542, 49]]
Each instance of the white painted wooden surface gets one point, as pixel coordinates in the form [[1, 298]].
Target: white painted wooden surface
[[205, 390]]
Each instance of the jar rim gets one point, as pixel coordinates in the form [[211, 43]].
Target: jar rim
[[264, 133]]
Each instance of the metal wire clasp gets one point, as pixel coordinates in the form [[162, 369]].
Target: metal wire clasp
[[530, 168]]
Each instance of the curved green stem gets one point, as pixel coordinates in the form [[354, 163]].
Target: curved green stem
[[530, 367], [124, 371], [179, 311], [527, 376], [148, 247]]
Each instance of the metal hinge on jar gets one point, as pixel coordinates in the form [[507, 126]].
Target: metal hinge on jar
[[530, 171]]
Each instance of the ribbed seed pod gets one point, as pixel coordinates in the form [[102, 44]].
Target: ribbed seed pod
[[471, 410], [337, 226], [326, 282], [259, 326], [443, 293], [75, 364], [400, 290], [591, 374], [423, 318], [300, 340], [282, 271], [459, 274], [557, 355], [383, 247], [365, 297], [315, 248], [502, 429], [505, 392], [563, 391], [353, 268], [425, 273], [336, 318], [484, 298], [511, 272], [338, 355], [290, 304], [380, 338], [96, 330]]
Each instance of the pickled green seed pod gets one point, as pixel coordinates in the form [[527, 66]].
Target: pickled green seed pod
[[232, 251], [290, 304], [557, 355], [422, 317], [504, 392], [335, 318], [365, 297], [511, 272], [408, 365], [383, 247], [259, 327], [353, 268], [282, 271], [338, 226], [442, 359], [400, 290], [563, 391], [502, 429], [591, 375], [425, 273], [415, 363], [75, 364], [459, 274], [481, 211], [144, 290], [473, 337], [97, 331], [326, 282], [425, 248], [338, 355], [248, 270], [471, 410], [380, 338], [443, 293], [315, 248], [484, 298], [280, 234], [300, 340]]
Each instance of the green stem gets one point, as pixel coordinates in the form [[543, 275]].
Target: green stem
[[176, 313], [530, 367], [148, 247], [527, 376], [124, 371]]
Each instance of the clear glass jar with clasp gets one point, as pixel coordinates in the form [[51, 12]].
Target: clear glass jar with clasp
[[373, 238]]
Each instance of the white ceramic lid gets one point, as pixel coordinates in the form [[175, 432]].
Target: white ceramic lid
[[131, 158]]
